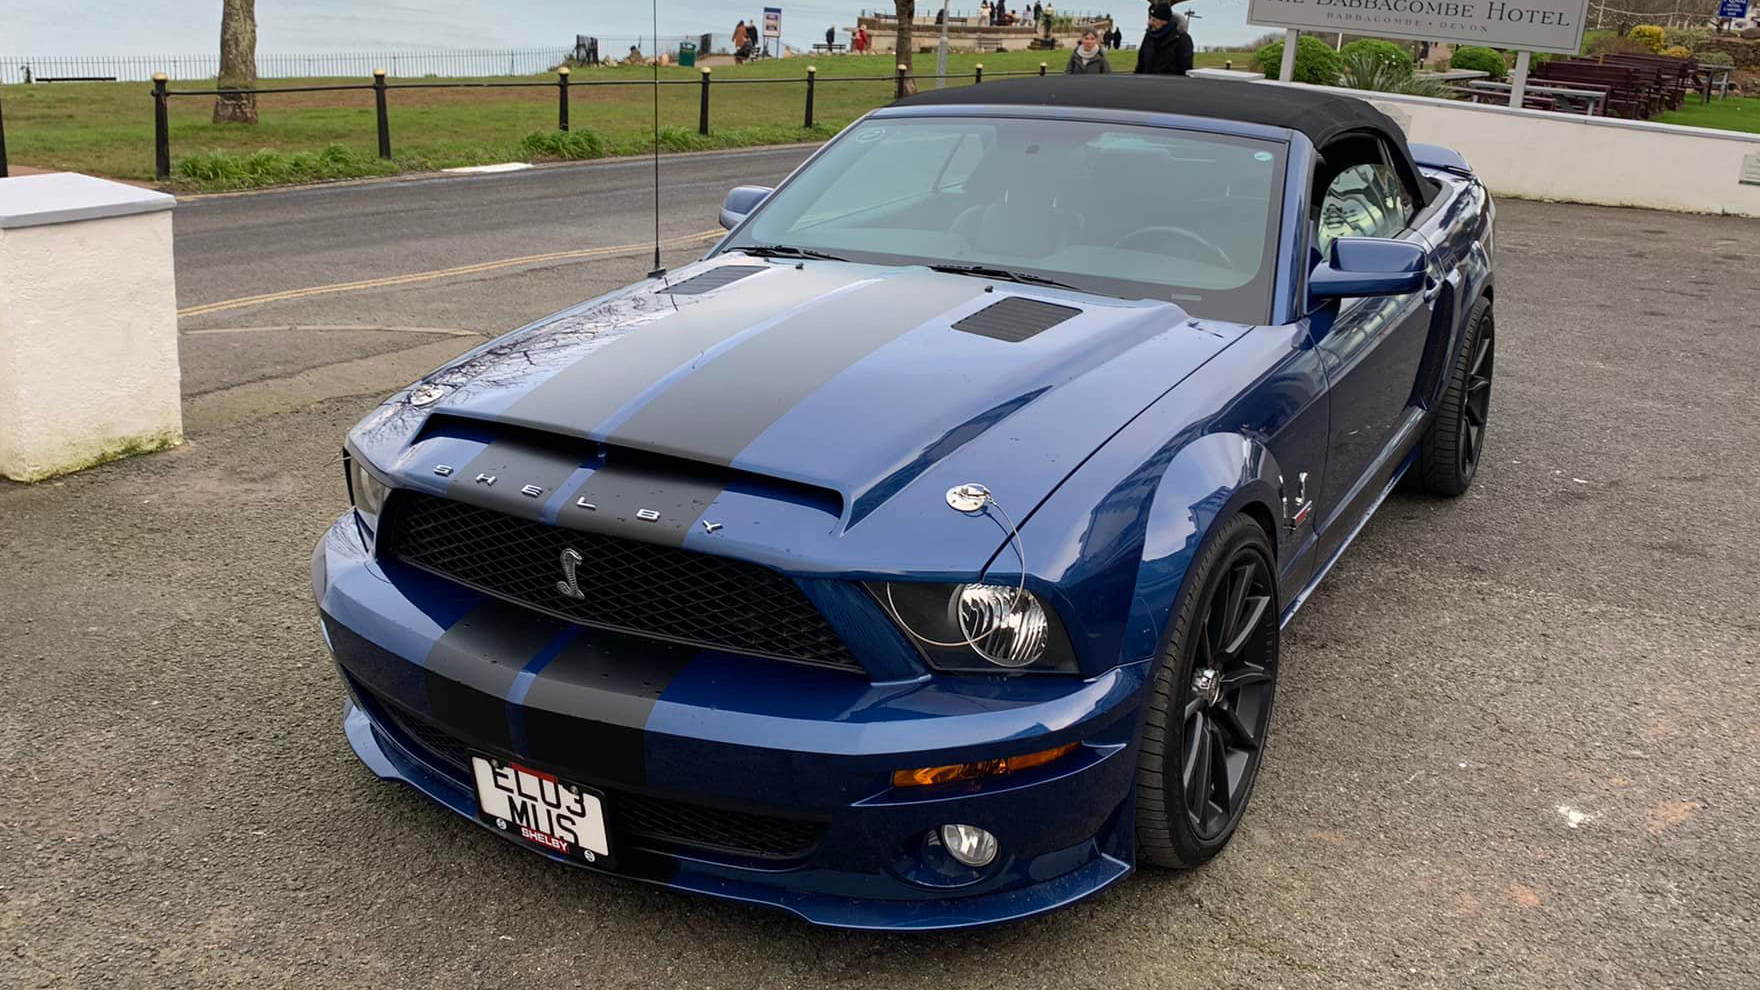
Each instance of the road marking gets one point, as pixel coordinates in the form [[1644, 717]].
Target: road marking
[[325, 327], [413, 277]]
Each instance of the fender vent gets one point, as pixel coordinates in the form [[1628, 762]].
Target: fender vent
[[1015, 319], [712, 279]]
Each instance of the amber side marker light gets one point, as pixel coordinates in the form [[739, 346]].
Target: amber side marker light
[[925, 776]]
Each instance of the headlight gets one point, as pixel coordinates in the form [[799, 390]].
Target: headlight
[[1006, 626], [365, 491], [978, 628]]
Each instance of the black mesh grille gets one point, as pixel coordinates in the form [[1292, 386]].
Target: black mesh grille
[[641, 817], [712, 279], [1015, 319], [634, 587]]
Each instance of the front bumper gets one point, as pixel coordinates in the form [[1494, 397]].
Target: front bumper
[[772, 779]]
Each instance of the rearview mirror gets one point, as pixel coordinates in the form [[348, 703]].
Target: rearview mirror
[[1368, 266], [740, 202]]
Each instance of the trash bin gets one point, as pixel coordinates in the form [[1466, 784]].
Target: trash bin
[[687, 54]]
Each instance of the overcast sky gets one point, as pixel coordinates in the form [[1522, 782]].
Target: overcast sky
[[185, 27]]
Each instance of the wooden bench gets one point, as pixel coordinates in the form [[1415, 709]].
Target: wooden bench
[[1675, 75], [1628, 95], [831, 48]]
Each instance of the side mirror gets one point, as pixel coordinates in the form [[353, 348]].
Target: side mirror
[[1368, 266], [740, 202]]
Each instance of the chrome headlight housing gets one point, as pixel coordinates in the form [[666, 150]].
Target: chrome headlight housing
[[366, 491], [978, 628]]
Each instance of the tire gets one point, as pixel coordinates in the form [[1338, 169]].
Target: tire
[[1211, 706], [1451, 451]]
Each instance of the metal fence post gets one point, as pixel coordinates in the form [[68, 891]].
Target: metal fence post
[[161, 129], [978, 73], [812, 75], [562, 98], [703, 108], [384, 120], [898, 89], [3, 142]]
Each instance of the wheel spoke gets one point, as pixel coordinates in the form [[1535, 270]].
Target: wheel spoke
[[1243, 676], [1221, 785], [1239, 581], [1474, 416], [1479, 355], [1234, 730], [1199, 764], [1257, 611]]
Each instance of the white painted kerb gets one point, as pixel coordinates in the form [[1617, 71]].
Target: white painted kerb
[[88, 324]]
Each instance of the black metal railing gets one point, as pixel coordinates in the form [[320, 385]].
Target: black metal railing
[[563, 84]]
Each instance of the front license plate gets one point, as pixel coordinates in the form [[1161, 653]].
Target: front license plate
[[557, 817]]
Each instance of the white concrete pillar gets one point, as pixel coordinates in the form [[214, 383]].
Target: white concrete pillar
[[88, 324]]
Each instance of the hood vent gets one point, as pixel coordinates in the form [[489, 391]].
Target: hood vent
[[712, 279], [1015, 319]]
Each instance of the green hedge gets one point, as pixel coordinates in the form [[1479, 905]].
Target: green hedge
[[1395, 57], [1483, 59], [1316, 62]]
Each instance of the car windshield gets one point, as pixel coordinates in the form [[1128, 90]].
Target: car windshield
[[1115, 209]]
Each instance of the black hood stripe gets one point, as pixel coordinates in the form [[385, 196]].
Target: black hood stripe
[[587, 712], [472, 666], [730, 401], [594, 388], [514, 476], [641, 502]]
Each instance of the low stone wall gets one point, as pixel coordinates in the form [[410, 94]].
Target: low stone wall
[[1745, 53]]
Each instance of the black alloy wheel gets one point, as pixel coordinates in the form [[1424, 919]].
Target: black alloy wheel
[[1476, 404], [1211, 710], [1453, 449]]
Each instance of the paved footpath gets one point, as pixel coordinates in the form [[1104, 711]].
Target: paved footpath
[[1516, 743]]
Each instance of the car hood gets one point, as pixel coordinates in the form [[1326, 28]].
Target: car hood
[[852, 390]]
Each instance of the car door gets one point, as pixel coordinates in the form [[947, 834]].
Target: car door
[[1371, 349]]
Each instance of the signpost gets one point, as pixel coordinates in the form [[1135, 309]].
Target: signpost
[[1524, 25], [773, 26]]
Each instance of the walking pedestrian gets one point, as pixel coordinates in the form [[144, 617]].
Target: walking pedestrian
[[1167, 45], [1089, 57]]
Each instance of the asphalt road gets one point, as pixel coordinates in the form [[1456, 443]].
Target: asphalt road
[[1516, 742]]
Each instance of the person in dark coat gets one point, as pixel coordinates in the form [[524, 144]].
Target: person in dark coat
[[1089, 57], [1167, 46]]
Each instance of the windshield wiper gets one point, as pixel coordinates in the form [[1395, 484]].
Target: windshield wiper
[[787, 251], [1004, 275]]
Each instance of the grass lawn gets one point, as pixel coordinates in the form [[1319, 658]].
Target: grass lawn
[[1728, 114], [107, 128]]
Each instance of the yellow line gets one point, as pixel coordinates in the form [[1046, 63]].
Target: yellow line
[[393, 280]]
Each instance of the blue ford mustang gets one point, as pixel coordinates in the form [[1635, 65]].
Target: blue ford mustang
[[917, 558]]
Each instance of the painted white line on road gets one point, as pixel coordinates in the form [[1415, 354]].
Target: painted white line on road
[[488, 169], [484, 266], [336, 328]]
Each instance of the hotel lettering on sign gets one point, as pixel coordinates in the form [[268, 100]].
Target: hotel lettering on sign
[[1533, 25]]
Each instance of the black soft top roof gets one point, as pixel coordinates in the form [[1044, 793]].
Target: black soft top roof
[[1321, 115]]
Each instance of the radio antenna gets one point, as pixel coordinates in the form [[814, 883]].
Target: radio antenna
[[659, 269]]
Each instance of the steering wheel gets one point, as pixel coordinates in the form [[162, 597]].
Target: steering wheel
[[1196, 238]]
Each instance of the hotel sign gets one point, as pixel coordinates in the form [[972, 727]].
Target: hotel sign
[[1534, 25]]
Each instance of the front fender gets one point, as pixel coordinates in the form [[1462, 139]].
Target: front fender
[[1113, 545]]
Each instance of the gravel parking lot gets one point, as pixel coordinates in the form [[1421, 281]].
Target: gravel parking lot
[[1516, 743]]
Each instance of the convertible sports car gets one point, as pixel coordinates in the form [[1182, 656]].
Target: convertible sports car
[[917, 558]]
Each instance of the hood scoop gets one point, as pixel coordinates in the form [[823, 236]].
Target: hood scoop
[[712, 279], [1015, 319]]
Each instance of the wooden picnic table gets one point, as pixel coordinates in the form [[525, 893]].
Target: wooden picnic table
[[1712, 76], [1567, 97]]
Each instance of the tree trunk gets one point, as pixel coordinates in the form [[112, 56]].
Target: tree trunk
[[238, 62], [907, 13]]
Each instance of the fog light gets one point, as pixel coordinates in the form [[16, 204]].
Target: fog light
[[969, 844]]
